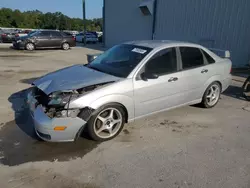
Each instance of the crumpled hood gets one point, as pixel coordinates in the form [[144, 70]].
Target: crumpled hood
[[70, 78]]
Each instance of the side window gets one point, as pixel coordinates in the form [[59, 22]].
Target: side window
[[164, 62], [56, 34], [45, 33], [210, 60], [191, 57]]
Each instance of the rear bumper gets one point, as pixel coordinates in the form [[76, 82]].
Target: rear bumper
[[226, 82], [44, 126]]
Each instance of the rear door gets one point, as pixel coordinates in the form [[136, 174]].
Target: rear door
[[56, 39], [195, 72]]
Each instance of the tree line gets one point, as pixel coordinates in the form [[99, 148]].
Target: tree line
[[39, 20]]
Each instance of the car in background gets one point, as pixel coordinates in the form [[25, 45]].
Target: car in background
[[22, 33], [7, 36], [127, 82], [70, 34], [87, 37], [44, 39], [1, 32]]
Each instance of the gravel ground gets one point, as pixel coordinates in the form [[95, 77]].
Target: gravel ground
[[182, 148]]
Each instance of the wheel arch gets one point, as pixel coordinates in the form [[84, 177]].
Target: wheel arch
[[124, 101], [32, 42], [215, 78]]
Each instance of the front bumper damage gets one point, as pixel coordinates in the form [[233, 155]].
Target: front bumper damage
[[18, 45], [45, 125]]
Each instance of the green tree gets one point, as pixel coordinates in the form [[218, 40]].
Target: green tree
[[37, 20]]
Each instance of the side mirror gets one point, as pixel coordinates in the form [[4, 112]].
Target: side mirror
[[92, 57], [145, 76]]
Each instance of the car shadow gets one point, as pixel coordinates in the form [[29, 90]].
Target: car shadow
[[20, 144], [234, 92], [22, 117], [28, 80]]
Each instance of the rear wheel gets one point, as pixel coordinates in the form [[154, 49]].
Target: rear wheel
[[30, 46], [106, 123], [212, 95], [65, 46]]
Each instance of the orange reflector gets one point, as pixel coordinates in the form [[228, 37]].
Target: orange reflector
[[60, 128]]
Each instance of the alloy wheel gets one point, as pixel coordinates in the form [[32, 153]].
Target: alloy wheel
[[65, 46], [107, 123], [213, 95], [30, 46]]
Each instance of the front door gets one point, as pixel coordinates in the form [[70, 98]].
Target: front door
[[160, 85], [43, 40]]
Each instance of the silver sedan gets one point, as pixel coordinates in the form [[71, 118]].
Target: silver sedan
[[127, 82]]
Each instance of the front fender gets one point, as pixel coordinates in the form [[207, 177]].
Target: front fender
[[126, 101]]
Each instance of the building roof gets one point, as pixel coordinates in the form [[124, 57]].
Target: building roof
[[160, 43]]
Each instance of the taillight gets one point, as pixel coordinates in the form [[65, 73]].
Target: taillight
[[3, 35], [16, 35], [73, 37]]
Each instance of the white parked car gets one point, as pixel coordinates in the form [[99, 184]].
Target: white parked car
[[127, 82], [88, 37]]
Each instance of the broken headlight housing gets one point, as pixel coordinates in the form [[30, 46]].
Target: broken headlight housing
[[60, 99]]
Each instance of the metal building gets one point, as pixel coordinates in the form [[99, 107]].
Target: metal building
[[222, 24]]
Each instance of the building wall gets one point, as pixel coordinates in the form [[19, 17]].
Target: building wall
[[222, 24], [124, 22]]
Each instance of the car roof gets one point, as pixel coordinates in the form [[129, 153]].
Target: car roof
[[161, 43]]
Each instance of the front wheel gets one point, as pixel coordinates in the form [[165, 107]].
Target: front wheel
[[212, 95], [106, 123], [30, 46]]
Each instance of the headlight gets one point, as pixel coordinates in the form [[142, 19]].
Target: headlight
[[59, 99]]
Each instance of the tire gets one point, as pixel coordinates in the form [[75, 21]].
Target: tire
[[106, 123], [213, 91], [30, 46], [65, 46]]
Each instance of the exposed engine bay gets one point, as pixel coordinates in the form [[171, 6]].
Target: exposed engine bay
[[56, 104]]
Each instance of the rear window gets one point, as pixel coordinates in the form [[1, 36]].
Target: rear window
[[191, 57], [210, 60]]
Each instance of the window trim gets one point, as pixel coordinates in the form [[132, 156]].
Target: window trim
[[45, 35], [204, 60], [60, 34]]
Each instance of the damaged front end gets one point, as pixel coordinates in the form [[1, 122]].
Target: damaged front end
[[53, 119]]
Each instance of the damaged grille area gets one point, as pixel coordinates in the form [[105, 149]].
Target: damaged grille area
[[41, 97]]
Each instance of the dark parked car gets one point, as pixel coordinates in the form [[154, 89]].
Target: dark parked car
[[44, 39]]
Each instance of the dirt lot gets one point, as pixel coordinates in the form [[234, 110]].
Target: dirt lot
[[182, 148]]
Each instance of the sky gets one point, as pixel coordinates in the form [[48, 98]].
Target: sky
[[67, 7]]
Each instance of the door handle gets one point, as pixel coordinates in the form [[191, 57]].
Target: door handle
[[204, 71], [173, 79]]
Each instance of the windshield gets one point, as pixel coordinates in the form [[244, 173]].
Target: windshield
[[120, 60], [34, 33]]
